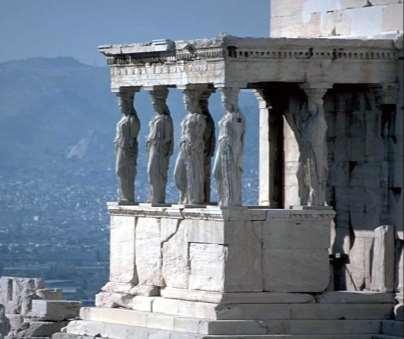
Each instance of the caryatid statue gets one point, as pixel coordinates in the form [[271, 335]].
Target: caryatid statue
[[228, 164], [126, 146], [209, 139], [190, 166], [313, 162], [159, 145]]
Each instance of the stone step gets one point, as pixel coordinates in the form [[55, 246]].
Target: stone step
[[117, 331], [199, 310], [212, 311], [61, 335], [294, 327], [245, 327], [164, 336], [206, 326], [391, 327]]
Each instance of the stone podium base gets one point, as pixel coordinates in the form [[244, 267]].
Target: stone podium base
[[202, 252], [179, 272], [332, 315]]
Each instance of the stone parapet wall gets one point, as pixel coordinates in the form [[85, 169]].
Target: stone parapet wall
[[333, 18], [250, 250]]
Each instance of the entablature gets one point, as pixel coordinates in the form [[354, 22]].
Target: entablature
[[233, 61]]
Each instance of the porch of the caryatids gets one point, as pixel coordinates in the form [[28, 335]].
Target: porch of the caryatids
[[159, 145], [189, 172], [126, 145], [228, 164]]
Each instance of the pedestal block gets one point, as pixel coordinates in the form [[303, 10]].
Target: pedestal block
[[208, 254]]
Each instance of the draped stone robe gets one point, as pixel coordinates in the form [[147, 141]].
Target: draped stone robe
[[228, 164], [190, 166], [160, 147], [126, 146]]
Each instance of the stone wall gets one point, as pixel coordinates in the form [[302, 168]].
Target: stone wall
[[365, 178], [327, 18], [365, 182]]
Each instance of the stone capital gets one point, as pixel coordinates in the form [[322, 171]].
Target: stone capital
[[126, 96], [230, 98], [231, 84], [159, 96], [207, 92], [156, 88], [315, 94], [127, 91], [158, 92], [194, 87], [193, 97]]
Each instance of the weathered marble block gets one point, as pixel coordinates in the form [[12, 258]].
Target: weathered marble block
[[383, 259], [16, 294], [216, 250], [122, 250]]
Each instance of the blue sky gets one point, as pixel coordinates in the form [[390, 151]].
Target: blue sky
[[51, 28]]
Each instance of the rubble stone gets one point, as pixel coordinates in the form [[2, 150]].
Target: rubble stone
[[17, 293], [54, 310]]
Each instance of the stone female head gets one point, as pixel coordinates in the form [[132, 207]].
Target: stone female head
[[125, 102], [159, 100]]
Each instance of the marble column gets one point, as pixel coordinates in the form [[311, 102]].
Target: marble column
[[190, 165], [209, 139], [126, 145], [228, 164], [159, 145], [313, 162], [270, 155]]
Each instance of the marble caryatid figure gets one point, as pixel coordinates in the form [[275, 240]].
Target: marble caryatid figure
[[190, 166], [126, 146], [228, 164], [310, 128], [159, 145], [209, 139]]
